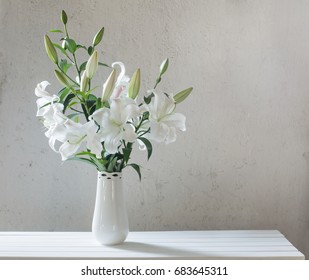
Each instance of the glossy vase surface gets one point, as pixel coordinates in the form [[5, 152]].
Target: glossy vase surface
[[110, 220]]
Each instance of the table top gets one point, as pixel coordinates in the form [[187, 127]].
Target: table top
[[224, 244]]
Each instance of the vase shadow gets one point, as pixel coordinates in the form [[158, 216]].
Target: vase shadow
[[169, 252]]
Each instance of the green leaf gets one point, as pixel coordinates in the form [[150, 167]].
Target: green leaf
[[71, 116], [148, 146], [86, 160], [98, 104], [98, 37], [111, 165], [67, 101], [63, 93], [60, 48], [84, 153], [56, 31], [80, 47], [64, 65], [137, 169], [97, 162], [147, 99], [90, 50], [103, 64], [126, 153], [82, 67], [70, 44]]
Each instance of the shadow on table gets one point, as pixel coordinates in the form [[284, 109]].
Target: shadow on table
[[156, 249]]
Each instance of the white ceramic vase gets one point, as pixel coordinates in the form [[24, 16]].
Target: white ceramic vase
[[110, 224]]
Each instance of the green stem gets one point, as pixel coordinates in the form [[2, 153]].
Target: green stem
[[75, 63]]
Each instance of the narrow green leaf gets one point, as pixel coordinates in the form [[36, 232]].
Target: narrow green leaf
[[111, 165], [67, 101], [137, 169], [56, 31], [97, 162], [103, 64], [148, 146], [63, 93], [71, 116], [84, 153], [86, 160], [60, 48], [126, 153], [80, 47]]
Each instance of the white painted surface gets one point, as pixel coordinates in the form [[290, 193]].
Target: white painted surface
[[243, 162], [269, 244]]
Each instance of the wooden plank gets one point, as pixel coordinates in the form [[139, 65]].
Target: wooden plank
[[265, 244]]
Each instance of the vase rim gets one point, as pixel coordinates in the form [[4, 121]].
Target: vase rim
[[105, 172]]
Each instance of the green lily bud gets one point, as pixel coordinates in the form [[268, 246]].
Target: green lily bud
[[62, 79], [84, 81], [50, 50], [135, 84], [92, 65], [163, 67], [182, 95], [109, 86], [98, 37], [64, 17]]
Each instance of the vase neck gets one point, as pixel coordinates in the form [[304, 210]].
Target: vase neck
[[109, 175]]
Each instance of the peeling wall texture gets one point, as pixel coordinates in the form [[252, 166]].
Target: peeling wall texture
[[243, 162]]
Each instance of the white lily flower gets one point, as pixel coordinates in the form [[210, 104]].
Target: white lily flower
[[163, 121], [44, 98], [72, 135], [122, 82], [93, 139], [114, 125]]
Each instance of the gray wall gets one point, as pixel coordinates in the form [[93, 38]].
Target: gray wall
[[243, 162]]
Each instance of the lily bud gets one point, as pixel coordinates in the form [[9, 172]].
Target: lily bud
[[50, 49], [92, 65], [64, 17], [62, 79], [135, 84], [181, 96], [83, 82], [98, 37], [108, 86], [163, 67]]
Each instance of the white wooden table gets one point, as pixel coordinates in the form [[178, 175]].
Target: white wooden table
[[242, 244]]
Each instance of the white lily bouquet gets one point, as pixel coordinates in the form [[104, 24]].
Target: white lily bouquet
[[101, 130]]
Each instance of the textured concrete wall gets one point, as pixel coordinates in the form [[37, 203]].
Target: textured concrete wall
[[243, 162]]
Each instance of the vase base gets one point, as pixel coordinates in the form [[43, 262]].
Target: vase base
[[110, 239]]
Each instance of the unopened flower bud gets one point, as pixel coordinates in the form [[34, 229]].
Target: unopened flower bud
[[109, 86], [92, 65]]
